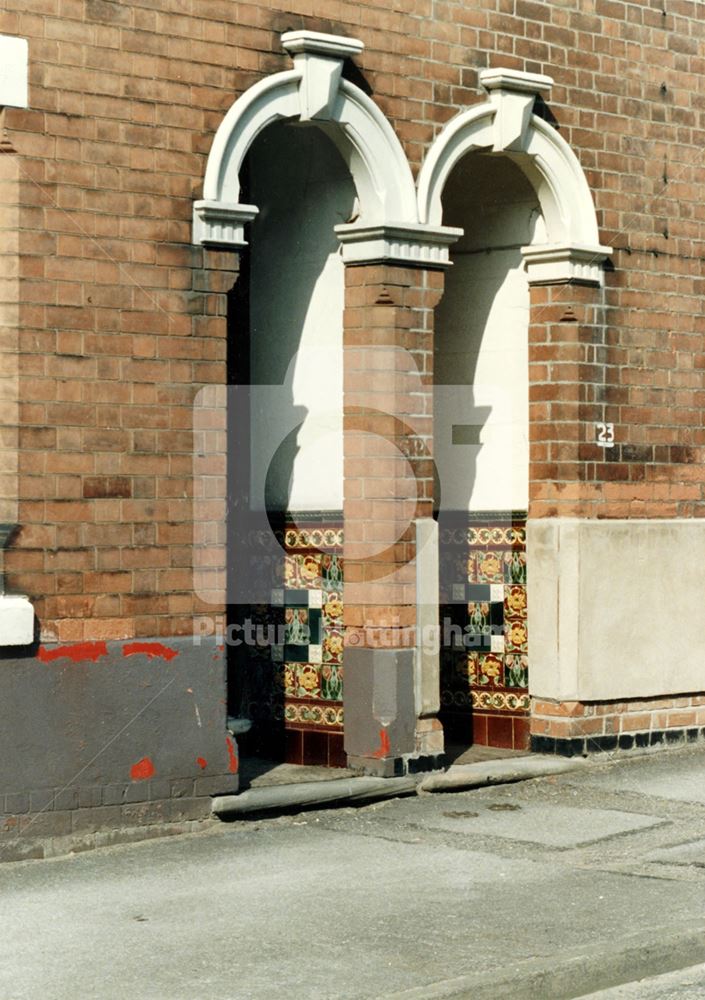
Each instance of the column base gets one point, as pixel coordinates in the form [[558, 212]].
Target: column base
[[397, 767]]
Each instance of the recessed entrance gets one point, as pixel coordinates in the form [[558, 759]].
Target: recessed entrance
[[481, 415], [287, 476]]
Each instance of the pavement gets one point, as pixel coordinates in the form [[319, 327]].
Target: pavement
[[576, 884]]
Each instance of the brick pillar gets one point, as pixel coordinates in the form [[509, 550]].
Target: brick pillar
[[568, 396], [388, 415]]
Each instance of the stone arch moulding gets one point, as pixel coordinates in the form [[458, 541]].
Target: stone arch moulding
[[505, 124], [388, 226]]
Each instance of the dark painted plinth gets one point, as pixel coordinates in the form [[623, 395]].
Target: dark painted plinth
[[584, 745], [107, 725]]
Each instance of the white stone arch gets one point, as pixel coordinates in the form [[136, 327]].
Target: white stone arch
[[387, 226], [314, 91], [505, 124]]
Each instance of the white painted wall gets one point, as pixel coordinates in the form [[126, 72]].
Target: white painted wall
[[303, 189], [481, 362], [14, 72]]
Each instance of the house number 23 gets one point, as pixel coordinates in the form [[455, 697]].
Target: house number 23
[[604, 435]]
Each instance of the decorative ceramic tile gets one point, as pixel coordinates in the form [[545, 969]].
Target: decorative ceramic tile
[[515, 635], [486, 653], [331, 681], [302, 713], [291, 571], [501, 701], [489, 567], [516, 671], [310, 607], [333, 646], [515, 566], [490, 669], [515, 602], [332, 571], [308, 681], [313, 538], [485, 624], [333, 609]]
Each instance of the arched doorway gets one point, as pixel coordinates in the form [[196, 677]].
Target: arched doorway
[[286, 336], [481, 419]]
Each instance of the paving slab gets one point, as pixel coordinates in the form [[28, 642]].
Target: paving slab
[[676, 776], [553, 826]]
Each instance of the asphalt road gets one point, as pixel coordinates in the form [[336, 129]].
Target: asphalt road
[[550, 888]]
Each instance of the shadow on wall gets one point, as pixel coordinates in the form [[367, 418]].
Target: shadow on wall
[[481, 338]]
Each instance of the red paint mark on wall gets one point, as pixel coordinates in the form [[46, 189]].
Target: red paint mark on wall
[[150, 649], [142, 770], [78, 652], [384, 745], [232, 756], [202, 763]]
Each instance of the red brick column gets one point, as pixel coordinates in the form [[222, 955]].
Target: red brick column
[[569, 380], [388, 422]]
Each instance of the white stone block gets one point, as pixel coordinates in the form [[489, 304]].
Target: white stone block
[[14, 72], [16, 621]]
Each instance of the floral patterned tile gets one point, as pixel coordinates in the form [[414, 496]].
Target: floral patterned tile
[[307, 680], [332, 682], [515, 635], [288, 680], [516, 671], [333, 646], [332, 571], [310, 569], [489, 669], [515, 602], [489, 567], [333, 609], [515, 566]]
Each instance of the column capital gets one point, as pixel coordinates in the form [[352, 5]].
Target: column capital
[[407, 244], [559, 263], [221, 226]]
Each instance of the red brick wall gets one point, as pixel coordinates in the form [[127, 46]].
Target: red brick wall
[[121, 321]]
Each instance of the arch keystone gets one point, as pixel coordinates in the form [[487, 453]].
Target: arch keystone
[[319, 59], [513, 93]]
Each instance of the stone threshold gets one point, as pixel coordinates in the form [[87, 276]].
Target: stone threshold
[[337, 790]]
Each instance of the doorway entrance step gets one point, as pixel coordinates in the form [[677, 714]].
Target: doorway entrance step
[[337, 791]]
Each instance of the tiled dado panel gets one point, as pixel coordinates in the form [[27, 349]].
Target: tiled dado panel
[[297, 698], [484, 655]]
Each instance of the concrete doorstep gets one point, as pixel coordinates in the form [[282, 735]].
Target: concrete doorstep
[[344, 790]]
